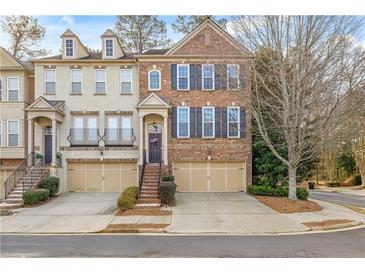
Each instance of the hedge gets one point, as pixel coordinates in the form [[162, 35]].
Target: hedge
[[52, 184], [357, 180], [168, 178], [128, 198], [279, 191], [167, 191], [33, 196]]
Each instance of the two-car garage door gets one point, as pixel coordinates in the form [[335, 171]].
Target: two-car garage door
[[101, 177], [209, 176]]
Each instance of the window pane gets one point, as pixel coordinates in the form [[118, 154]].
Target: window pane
[[100, 87], [233, 130], [208, 130], [154, 80], [126, 87], [208, 83], [126, 126], [183, 129], [109, 47], [126, 122], [100, 75], [183, 71], [51, 87], [13, 127], [126, 75], [183, 83], [208, 115], [183, 114], [112, 128], [78, 122], [233, 71], [233, 114], [13, 140], [76, 75], [13, 95], [50, 76], [76, 87], [13, 83], [208, 71], [92, 132]]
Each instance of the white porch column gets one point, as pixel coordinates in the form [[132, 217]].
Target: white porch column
[[141, 140], [30, 141], [164, 138], [54, 145]]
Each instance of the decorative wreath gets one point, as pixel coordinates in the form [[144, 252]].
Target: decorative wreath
[[154, 140]]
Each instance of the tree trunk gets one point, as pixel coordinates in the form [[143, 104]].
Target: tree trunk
[[292, 183], [362, 175]]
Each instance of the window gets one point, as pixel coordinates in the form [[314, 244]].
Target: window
[[1, 88], [1, 133], [126, 128], [233, 122], [154, 80], [13, 89], [100, 81], [69, 47], [50, 81], [92, 129], [183, 77], [208, 77], [183, 122], [109, 47], [208, 122], [78, 126], [76, 80], [85, 127], [112, 128], [13, 133], [232, 76], [125, 81], [119, 129]]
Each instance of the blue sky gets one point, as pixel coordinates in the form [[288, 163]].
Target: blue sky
[[89, 29]]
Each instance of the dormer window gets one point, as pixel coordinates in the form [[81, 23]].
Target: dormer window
[[69, 44], [109, 47]]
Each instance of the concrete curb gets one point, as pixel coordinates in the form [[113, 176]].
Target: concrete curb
[[337, 226]]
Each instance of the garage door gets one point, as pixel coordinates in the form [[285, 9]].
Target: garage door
[[209, 176], [101, 177]]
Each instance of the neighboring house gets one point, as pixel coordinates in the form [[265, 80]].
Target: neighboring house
[[194, 107], [16, 92], [97, 118], [84, 117]]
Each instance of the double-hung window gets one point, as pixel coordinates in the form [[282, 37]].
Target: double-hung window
[[183, 77], [154, 80], [109, 47], [76, 80], [183, 128], [69, 45], [232, 76], [100, 81], [85, 130], [1, 88], [208, 122], [50, 81], [13, 89], [126, 81], [233, 118], [13, 133], [208, 77]]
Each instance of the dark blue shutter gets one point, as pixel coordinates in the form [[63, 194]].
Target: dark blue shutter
[[223, 69], [217, 77], [174, 122], [199, 122], [224, 122], [198, 74], [192, 122], [242, 76], [173, 76], [217, 118], [243, 122], [192, 76]]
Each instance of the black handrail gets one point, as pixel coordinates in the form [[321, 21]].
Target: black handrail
[[84, 137], [118, 137], [159, 178], [142, 172]]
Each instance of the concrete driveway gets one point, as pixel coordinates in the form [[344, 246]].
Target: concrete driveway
[[227, 213], [67, 213]]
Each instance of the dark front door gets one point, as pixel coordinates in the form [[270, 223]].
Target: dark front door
[[47, 149], [155, 147]]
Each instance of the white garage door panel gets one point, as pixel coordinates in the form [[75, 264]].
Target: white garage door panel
[[101, 177], [209, 176]]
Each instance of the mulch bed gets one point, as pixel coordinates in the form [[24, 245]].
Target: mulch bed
[[144, 212], [131, 228], [327, 222], [284, 205]]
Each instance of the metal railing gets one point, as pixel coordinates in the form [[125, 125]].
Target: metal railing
[[119, 137], [142, 171], [159, 178], [18, 173], [85, 137]]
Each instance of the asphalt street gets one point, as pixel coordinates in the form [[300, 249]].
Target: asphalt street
[[350, 199]]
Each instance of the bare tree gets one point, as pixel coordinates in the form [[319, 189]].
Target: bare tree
[[303, 84], [185, 24], [25, 36]]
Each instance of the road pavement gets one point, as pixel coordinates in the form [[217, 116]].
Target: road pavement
[[355, 200]]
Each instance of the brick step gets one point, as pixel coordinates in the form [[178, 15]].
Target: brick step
[[149, 184], [14, 201], [148, 200], [148, 196], [150, 188], [27, 179], [10, 206], [15, 195], [16, 192], [149, 192], [139, 206], [20, 188]]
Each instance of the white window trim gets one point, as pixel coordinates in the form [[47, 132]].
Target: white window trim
[[239, 122], [73, 47], [213, 76], [71, 70], [177, 76], [213, 122], [107, 56], [2, 88], [1, 133], [7, 132], [7, 87], [106, 86], [159, 83], [238, 76], [45, 81], [178, 122], [120, 81]]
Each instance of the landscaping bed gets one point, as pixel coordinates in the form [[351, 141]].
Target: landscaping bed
[[133, 228], [144, 212], [327, 223], [284, 205]]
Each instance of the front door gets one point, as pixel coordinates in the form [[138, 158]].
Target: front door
[[47, 146], [155, 147]]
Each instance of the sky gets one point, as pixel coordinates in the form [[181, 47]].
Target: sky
[[89, 29]]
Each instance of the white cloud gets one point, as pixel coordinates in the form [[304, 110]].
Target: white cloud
[[69, 20]]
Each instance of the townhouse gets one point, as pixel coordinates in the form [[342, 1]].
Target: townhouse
[[99, 118]]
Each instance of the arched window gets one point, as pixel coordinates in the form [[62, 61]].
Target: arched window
[[154, 80]]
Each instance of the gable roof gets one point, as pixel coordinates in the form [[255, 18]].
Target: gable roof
[[69, 33], [17, 63], [153, 101], [110, 33], [47, 104], [215, 27]]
